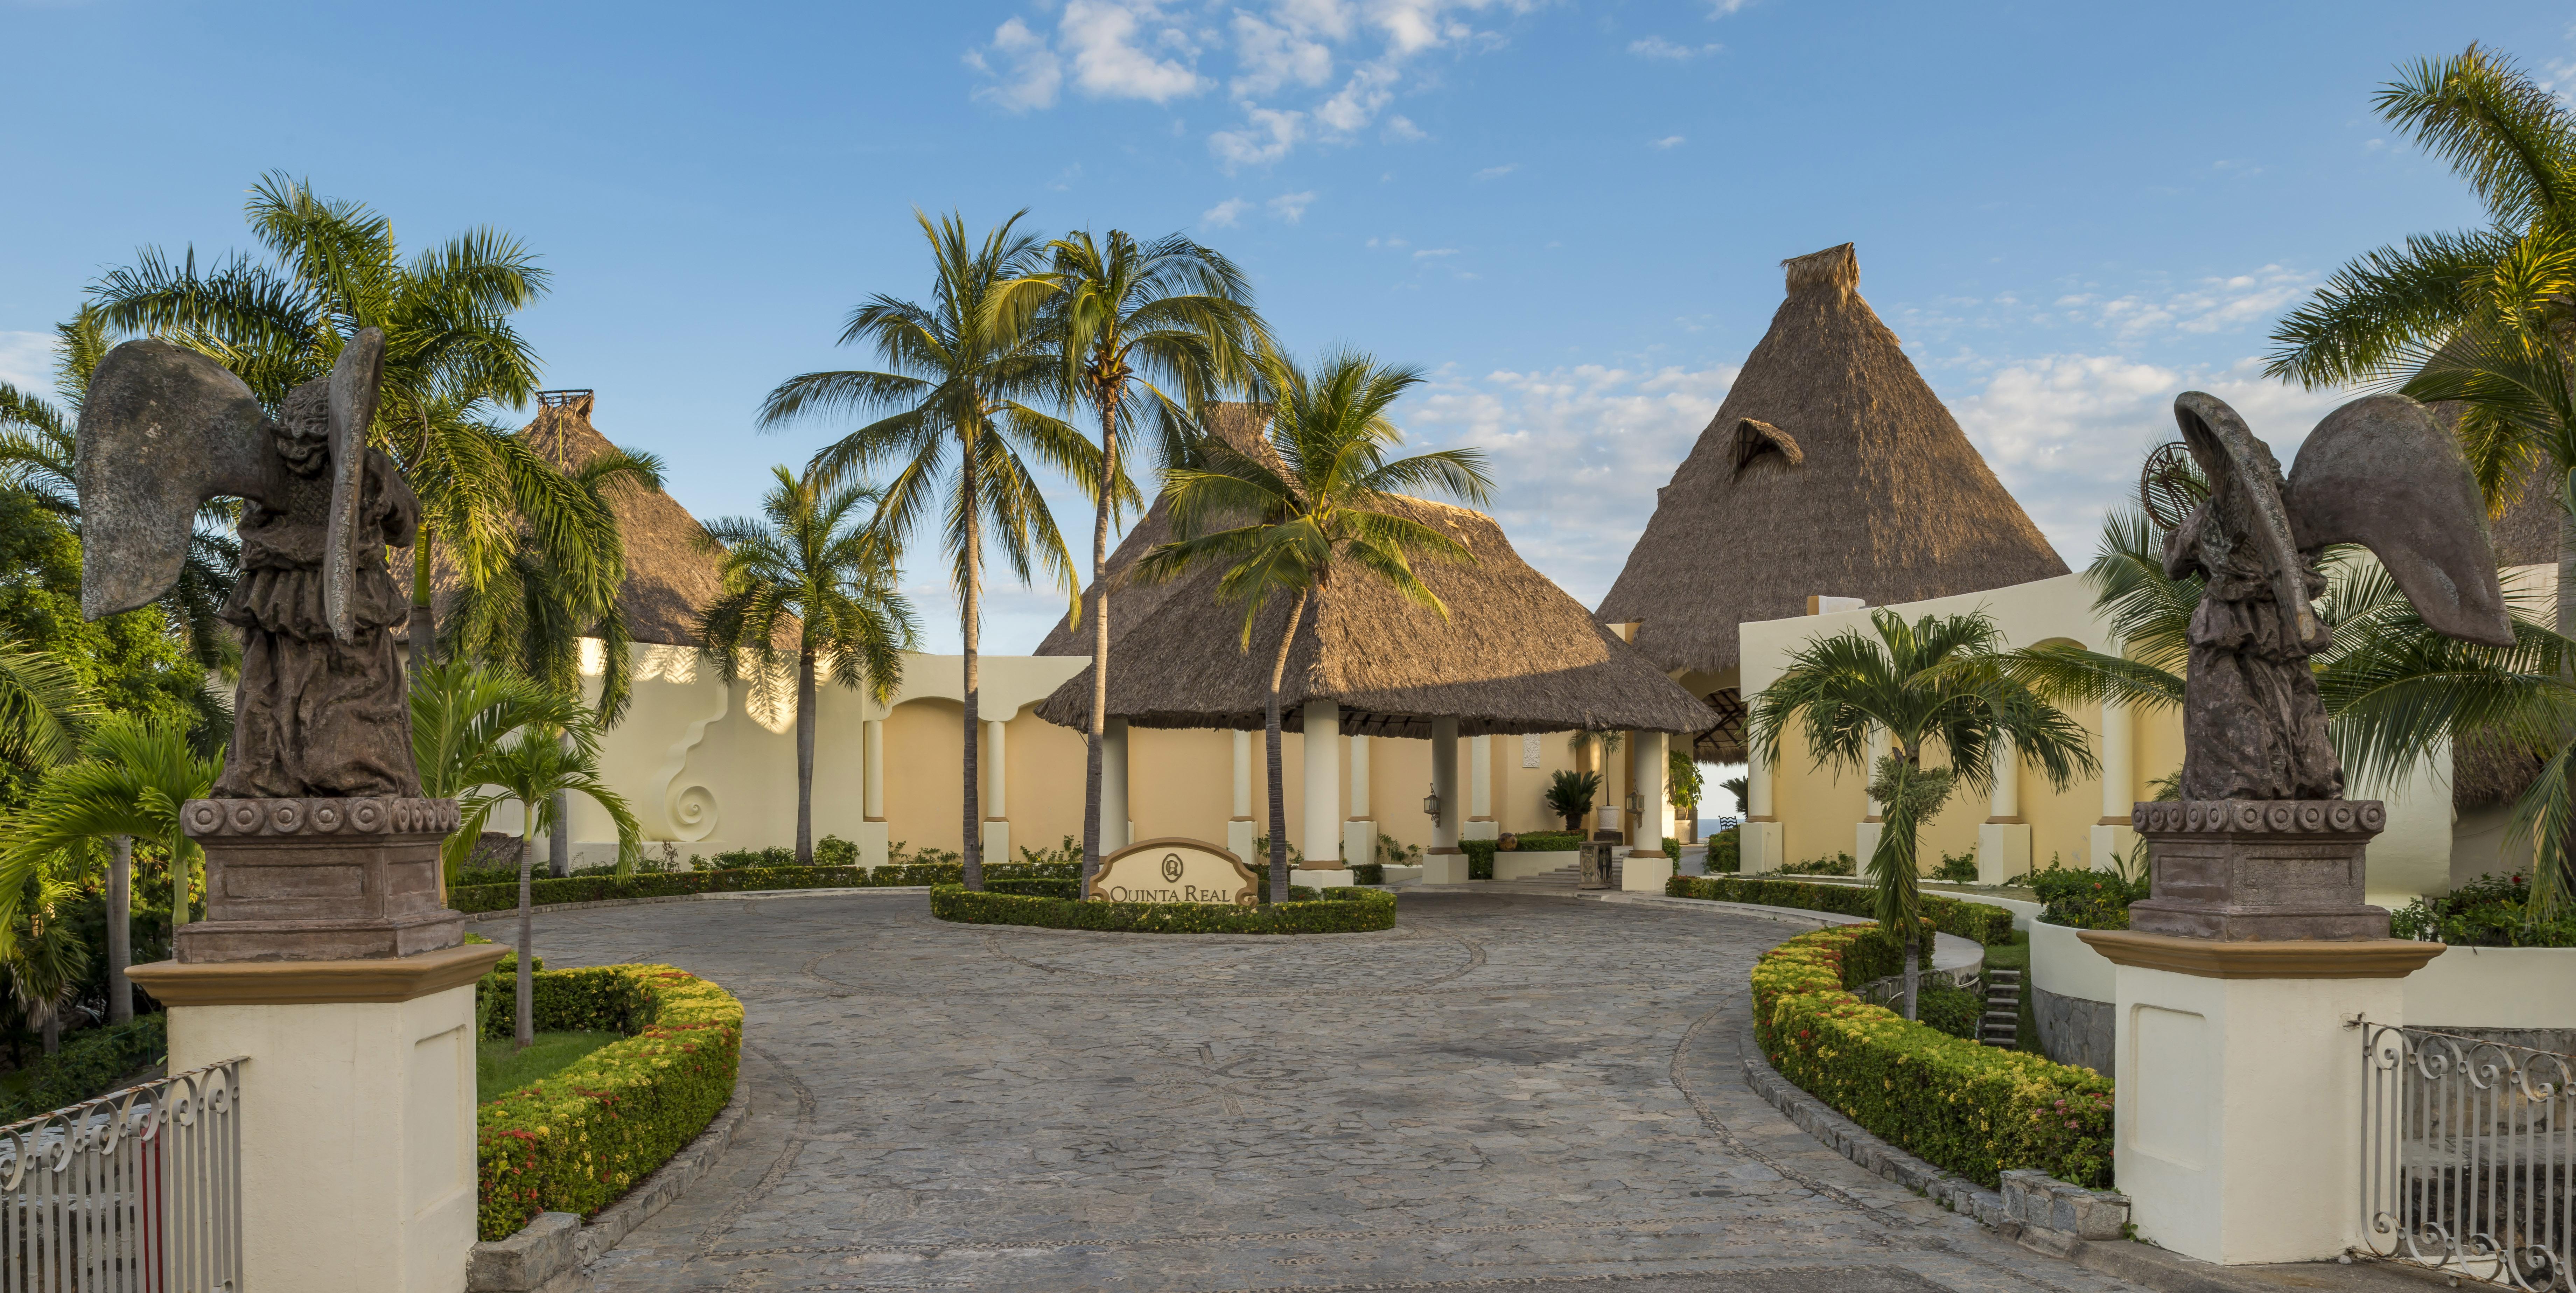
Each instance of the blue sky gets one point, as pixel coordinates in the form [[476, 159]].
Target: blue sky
[[1569, 214]]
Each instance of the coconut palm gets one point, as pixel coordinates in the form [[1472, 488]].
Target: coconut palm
[[1321, 500], [129, 783], [957, 423], [806, 574], [1147, 332], [2483, 317], [1943, 681], [535, 769], [42, 710]]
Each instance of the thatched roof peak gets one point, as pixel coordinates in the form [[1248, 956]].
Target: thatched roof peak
[[1830, 469], [669, 581]]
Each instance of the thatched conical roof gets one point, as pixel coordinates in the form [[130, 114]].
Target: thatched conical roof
[[669, 582], [1239, 425], [1830, 469], [1514, 655]]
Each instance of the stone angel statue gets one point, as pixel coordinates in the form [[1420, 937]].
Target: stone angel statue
[[321, 710], [2379, 472]]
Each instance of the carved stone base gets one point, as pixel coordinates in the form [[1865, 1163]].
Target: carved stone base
[[2259, 870], [319, 879]]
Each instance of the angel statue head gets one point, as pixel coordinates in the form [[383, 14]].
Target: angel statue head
[[2378, 472]]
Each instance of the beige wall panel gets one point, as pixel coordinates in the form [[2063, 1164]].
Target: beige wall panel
[[925, 792], [1180, 781]]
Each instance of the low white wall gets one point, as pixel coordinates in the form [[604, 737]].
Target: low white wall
[[2494, 987], [2061, 963], [1517, 864]]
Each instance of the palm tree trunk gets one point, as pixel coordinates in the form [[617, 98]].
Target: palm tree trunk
[[424, 623], [971, 843], [1098, 737], [178, 888], [54, 1030], [2566, 573], [120, 931], [526, 1030], [1270, 747], [1913, 970], [559, 832], [805, 757]]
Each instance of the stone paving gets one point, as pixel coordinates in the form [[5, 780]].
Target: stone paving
[[1502, 1092]]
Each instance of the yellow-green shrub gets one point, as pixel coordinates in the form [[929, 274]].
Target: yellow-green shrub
[[1973, 1109], [578, 1140]]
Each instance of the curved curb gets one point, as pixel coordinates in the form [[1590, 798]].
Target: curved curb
[[1840, 1134], [601, 904]]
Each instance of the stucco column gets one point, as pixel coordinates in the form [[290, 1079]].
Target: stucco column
[[1760, 836], [2111, 837], [2003, 839], [1480, 823], [872, 830], [1359, 832], [1323, 785], [1650, 776], [1444, 784], [1116, 830], [1240, 828], [1865, 835], [997, 813]]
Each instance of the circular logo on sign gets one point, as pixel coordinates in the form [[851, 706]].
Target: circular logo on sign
[[1172, 867]]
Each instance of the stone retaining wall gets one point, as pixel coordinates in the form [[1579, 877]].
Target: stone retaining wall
[[2073, 1030]]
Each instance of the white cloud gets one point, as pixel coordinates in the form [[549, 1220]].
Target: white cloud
[[1224, 214], [1388, 241], [1576, 454], [1430, 253], [27, 361], [1671, 141], [1497, 172], [1659, 48], [2065, 432], [1721, 8], [1267, 138], [2209, 305], [1401, 130], [1291, 207], [1030, 74]]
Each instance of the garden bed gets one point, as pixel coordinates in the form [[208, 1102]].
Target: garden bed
[[1980, 922], [663, 884], [1346, 910], [579, 1139], [1972, 1109]]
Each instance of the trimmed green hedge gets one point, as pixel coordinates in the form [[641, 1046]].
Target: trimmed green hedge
[[579, 1139], [1981, 921], [1549, 841], [1368, 873], [90, 1064], [1726, 851], [660, 884], [1308, 911], [1480, 857], [1974, 1109]]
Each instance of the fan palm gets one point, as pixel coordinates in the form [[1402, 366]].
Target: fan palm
[[534, 769], [1155, 331], [807, 574], [1942, 681], [129, 783], [2484, 317], [957, 422], [1321, 500]]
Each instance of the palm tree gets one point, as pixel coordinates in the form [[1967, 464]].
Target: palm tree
[[957, 422], [1322, 499], [2484, 317], [463, 715], [449, 349], [534, 769], [1943, 680], [42, 710], [808, 574], [129, 782], [1146, 330], [46, 959]]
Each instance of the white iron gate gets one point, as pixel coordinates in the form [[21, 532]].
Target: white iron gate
[[2467, 1147], [138, 1191]]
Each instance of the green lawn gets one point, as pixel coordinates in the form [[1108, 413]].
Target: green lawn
[[499, 1066]]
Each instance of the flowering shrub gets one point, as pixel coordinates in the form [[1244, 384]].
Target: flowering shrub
[[578, 1140], [1975, 1110], [2082, 899], [1308, 911], [2490, 911], [1983, 922]]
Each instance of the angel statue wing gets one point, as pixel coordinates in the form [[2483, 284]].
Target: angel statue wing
[[162, 430], [2382, 473], [354, 379], [2228, 452]]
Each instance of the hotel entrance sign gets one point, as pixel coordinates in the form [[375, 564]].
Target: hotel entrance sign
[[1173, 870]]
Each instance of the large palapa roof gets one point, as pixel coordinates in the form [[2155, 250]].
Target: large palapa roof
[[669, 580], [1516, 654], [1831, 469]]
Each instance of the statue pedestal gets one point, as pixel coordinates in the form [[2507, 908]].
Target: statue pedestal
[[327, 959], [2238, 1079], [319, 879]]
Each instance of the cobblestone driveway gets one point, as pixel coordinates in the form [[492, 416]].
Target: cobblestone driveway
[[1521, 1092]]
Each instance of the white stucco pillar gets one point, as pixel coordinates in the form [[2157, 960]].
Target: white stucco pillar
[[1480, 823], [2003, 839], [1359, 831], [872, 829], [1444, 784], [1323, 785], [1760, 836], [1240, 828], [1117, 831], [2111, 838], [1650, 777], [997, 814], [1865, 835]]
